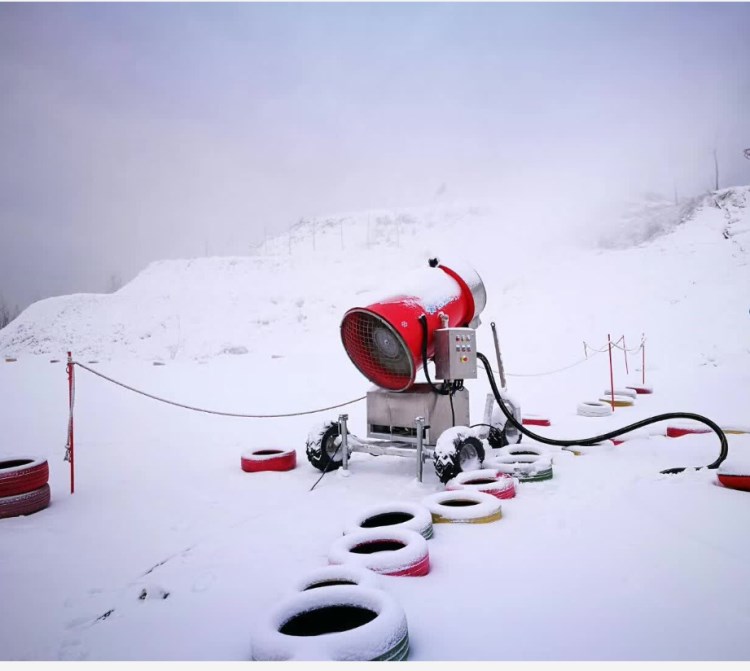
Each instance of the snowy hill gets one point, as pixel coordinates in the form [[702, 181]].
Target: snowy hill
[[169, 551], [303, 282]]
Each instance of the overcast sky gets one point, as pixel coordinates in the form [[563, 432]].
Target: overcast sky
[[136, 132]]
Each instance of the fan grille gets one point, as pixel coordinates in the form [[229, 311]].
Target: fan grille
[[377, 350]]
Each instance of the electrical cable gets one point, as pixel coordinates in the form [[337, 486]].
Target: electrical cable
[[453, 412], [434, 387], [328, 465], [612, 434]]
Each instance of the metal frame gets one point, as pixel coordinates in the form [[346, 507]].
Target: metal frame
[[350, 442]]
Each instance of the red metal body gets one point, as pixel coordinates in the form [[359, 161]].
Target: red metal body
[[384, 339]]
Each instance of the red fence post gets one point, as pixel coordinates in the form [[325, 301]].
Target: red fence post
[[71, 388], [611, 373]]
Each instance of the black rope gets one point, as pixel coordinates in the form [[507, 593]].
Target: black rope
[[612, 434]]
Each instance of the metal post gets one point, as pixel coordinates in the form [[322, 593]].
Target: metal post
[[71, 453], [344, 440], [611, 373], [500, 368], [420, 437], [625, 350]]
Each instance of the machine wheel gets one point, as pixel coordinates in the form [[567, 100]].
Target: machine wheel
[[511, 434], [324, 447], [457, 452], [503, 432]]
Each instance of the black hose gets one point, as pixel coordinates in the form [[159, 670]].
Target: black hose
[[612, 434], [434, 387]]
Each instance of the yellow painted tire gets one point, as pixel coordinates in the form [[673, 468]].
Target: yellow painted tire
[[619, 402], [463, 507]]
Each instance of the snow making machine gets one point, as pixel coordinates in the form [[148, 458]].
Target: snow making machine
[[389, 341]]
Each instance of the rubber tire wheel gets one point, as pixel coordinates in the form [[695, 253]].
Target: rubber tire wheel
[[450, 468], [26, 475], [498, 437], [25, 504], [321, 451]]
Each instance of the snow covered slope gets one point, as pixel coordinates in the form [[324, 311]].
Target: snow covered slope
[[682, 287], [608, 560]]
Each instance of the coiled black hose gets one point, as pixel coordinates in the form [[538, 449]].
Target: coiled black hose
[[612, 434]]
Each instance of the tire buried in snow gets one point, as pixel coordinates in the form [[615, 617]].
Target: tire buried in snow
[[338, 623]]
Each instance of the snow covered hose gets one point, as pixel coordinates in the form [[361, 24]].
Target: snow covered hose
[[612, 434]]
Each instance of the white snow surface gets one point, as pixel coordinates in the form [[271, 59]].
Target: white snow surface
[[628, 564]]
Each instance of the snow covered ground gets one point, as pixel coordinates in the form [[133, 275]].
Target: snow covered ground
[[609, 560]]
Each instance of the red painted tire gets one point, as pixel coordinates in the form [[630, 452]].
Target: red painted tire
[[487, 480], [25, 504], [677, 431], [19, 475], [268, 460], [640, 388], [394, 552], [535, 421], [741, 482]]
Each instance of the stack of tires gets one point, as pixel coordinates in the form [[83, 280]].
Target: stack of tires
[[24, 487]]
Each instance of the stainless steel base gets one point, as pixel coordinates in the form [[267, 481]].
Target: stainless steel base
[[391, 415]]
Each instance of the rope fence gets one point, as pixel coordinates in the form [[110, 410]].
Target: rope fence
[[213, 412], [71, 364]]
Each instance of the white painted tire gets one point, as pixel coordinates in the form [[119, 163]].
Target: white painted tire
[[411, 558], [392, 515], [296, 629], [481, 507], [338, 574], [594, 409]]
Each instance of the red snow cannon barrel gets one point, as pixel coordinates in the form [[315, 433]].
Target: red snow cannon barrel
[[384, 339]]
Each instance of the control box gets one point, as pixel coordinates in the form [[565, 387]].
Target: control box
[[455, 354]]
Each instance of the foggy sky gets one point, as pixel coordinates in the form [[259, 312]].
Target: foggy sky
[[135, 132]]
